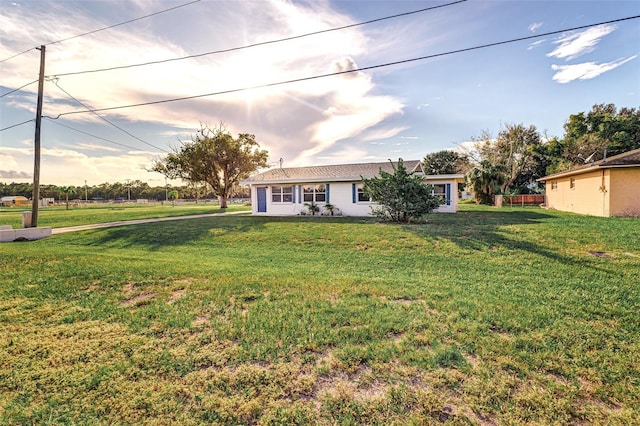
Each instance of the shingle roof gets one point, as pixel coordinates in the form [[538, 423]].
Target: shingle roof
[[340, 172], [626, 159]]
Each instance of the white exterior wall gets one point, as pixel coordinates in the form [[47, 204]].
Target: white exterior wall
[[340, 195]]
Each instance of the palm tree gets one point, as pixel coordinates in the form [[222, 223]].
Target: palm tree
[[330, 208], [485, 180], [313, 208], [66, 190]]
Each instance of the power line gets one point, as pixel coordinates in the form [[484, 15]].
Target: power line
[[19, 88], [232, 49], [89, 109], [90, 134], [16, 125], [404, 61], [102, 29], [126, 22]]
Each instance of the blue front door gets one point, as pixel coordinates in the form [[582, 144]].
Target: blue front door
[[262, 200]]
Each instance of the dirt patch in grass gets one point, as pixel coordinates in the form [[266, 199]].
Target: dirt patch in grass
[[599, 254], [200, 320], [472, 359], [176, 295], [403, 301], [341, 385], [140, 299]]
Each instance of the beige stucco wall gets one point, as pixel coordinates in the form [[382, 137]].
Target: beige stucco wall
[[586, 197], [625, 192]]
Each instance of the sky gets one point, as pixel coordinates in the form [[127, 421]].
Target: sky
[[406, 110]]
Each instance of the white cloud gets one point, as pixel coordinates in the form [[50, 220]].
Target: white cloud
[[586, 70], [576, 44], [535, 44], [69, 167], [340, 156], [381, 134], [535, 26], [288, 119]]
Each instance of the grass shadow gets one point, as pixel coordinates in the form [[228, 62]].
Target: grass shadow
[[492, 230]]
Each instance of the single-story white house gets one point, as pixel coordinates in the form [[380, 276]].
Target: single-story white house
[[284, 191]]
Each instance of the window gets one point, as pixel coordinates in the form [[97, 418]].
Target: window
[[314, 193], [282, 194], [362, 196], [554, 184], [440, 191], [572, 183]]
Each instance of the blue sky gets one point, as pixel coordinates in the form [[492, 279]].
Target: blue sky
[[406, 110]]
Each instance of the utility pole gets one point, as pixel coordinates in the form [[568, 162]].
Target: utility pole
[[36, 144]]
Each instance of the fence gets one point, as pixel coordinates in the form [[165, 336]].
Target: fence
[[519, 200]]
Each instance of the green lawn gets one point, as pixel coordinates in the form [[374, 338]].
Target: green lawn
[[488, 316], [59, 216]]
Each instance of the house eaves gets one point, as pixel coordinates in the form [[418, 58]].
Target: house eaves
[[626, 159]]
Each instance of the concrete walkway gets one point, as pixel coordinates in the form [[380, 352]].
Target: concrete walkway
[[57, 231]]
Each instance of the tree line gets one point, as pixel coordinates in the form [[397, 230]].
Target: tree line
[[511, 162], [135, 189]]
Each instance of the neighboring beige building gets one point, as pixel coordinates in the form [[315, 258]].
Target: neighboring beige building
[[609, 187]]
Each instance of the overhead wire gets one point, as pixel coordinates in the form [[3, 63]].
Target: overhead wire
[[104, 28], [233, 49], [90, 134], [404, 61], [89, 109], [16, 125], [18, 89], [203, 54]]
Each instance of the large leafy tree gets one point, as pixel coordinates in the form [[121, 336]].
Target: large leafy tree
[[445, 162], [216, 158], [514, 153], [401, 196], [603, 128]]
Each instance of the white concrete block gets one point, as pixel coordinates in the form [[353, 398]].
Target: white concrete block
[[8, 235]]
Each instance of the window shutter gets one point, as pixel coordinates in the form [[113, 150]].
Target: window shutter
[[293, 194], [353, 193], [448, 193], [327, 199], [299, 194]]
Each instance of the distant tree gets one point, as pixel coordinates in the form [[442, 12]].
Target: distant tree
[[485, 181], [173, 196], [214, 157], [66, 190], [514, 154], [445, 162], [401, 196]]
